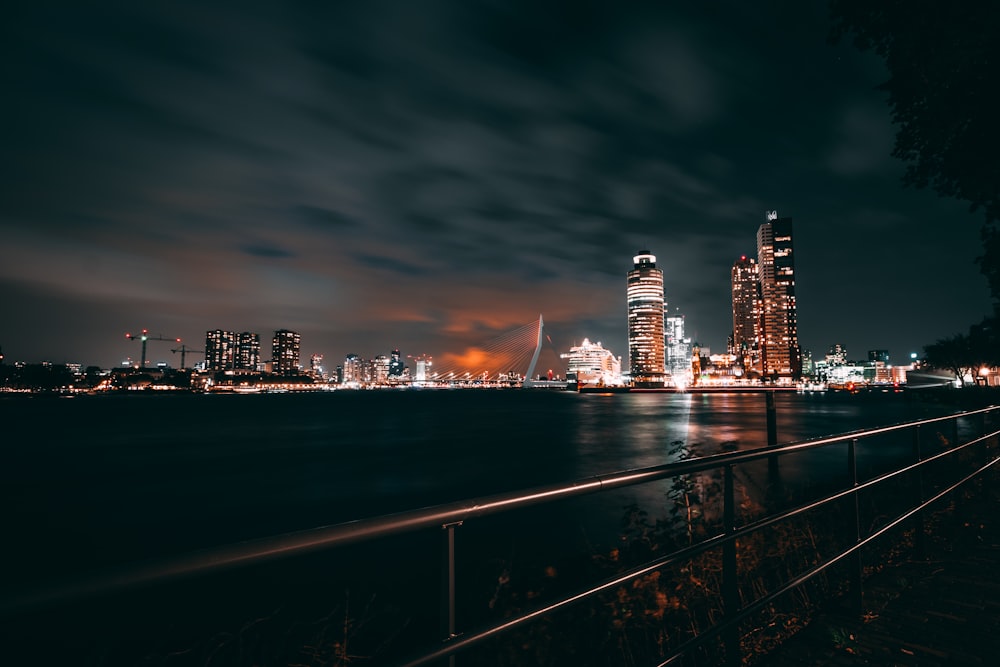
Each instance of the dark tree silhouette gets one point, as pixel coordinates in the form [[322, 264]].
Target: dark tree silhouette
[[944, 64], [965, 354]]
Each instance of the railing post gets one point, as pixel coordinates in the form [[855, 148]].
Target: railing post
[[448, 615], [730, 576], [855, 562], [918, 518], [772, 433]]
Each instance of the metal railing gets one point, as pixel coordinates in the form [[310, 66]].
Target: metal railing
[[450, 517]]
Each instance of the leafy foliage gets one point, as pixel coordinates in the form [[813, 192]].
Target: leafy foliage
[[965, 354]]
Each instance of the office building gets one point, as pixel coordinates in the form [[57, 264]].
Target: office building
[[396, 366], [220, 350], [744, 343], [644, 294], [780, 355], [678, 350], [248, 351], [285, 351], [354, 371]]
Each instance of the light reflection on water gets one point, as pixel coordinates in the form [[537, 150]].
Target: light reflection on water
[[137, 476]]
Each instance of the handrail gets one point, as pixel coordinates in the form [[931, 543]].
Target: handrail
[[452, 514]]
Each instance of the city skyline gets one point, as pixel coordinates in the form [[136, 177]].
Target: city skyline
[[387, 176]]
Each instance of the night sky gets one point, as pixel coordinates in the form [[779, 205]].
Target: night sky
[[429, 175]]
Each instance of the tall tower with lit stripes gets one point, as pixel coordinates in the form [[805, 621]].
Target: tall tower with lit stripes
[[644, 293], [779, 331]]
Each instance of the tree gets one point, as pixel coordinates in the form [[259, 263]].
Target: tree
[[951, 354], [943, 60], [965, 354]]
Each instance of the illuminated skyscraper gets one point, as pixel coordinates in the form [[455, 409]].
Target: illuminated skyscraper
[[745, 342], [248, 351], [678, 350], [285, 351], [220, 350], [379, 369], [644, 292], [354, 370], [396, 365], [780, 353]]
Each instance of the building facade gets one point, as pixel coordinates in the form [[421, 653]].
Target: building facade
[[354, 371], [678, 350], [779, 343], [745, 340], [644, 294], [248, 351], [285, 346], [220, 350]]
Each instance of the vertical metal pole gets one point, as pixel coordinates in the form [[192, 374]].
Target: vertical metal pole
[[918, 519], [730, 580], [954, 432], [772, 434], [449, 588], [772, 420], [855, 574]]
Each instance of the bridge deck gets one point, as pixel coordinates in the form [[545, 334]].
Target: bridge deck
[[941, 610]]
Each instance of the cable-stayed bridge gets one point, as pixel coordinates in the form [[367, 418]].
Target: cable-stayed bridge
[[510, 359]]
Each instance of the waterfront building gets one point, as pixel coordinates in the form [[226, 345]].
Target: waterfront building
[[644, 294], [745, 340], [220, 350], [316, 366], [423, 363], [379, 373], [354, 371], [285, 347], [780, 354], [248, 351], [836, 355], [590, 363], [396, 366], [678, 351]]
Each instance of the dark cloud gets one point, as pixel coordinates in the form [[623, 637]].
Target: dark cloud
[[266, 252], [301, 165]]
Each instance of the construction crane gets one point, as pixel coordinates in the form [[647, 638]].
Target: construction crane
[[145, 337], [184, 349]]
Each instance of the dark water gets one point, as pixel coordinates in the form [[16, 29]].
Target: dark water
[[93, 481], [90, 483]]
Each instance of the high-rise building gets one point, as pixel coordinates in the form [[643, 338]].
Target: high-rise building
[[644, 293], [396, 365], [379, 372], [316, 366], [745, 340], [285, 351], [678, 350], [220, 350], [248, 351], [779, 342], [354, 371]]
